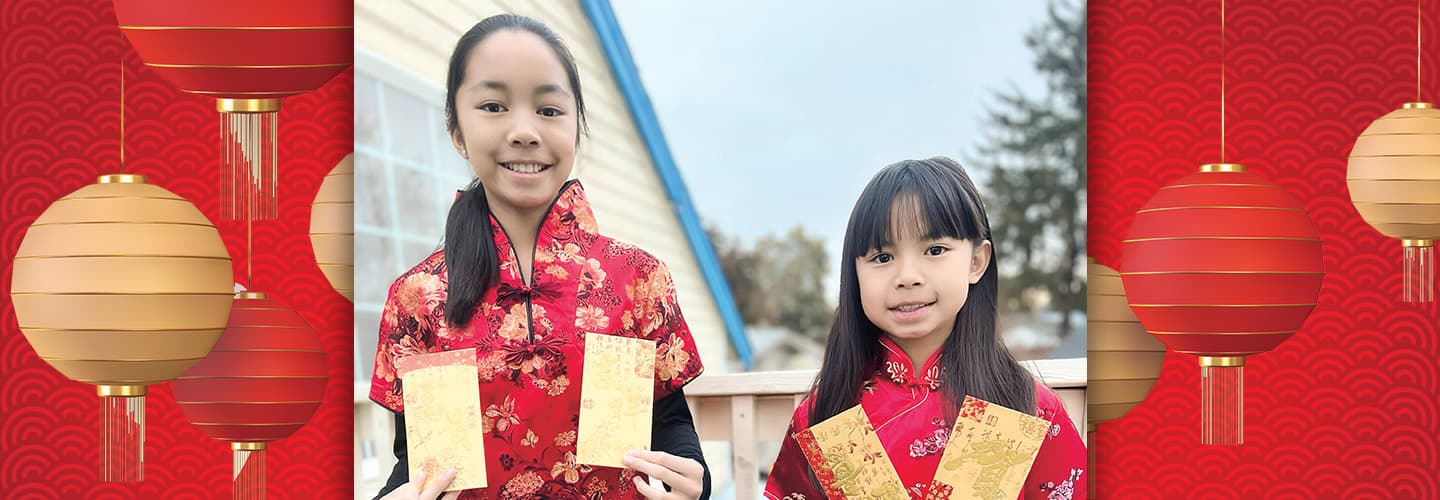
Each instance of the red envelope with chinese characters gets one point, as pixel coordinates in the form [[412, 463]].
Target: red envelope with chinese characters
[[990, 452], [443, 425], [849, 460]]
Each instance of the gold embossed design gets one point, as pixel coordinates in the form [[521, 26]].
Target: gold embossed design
[[443, 426], [991, 450], [616, 395], [849, 460]]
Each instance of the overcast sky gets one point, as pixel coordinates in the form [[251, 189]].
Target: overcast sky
[[777, 113]]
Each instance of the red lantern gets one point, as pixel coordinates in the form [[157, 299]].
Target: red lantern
[[262, 382], [247, 55], [1222, 265]]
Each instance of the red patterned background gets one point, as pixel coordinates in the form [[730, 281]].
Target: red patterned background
[[59, 129], [1350, 406]]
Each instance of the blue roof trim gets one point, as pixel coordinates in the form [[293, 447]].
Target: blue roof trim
[[612, 41]]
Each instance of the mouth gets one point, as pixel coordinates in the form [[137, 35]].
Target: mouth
[[912, 306], [525, 167]]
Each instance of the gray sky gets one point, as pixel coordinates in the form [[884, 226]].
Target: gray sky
[[777, 113]]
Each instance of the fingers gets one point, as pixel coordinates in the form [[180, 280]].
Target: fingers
[[684, 476], [441, 482], [647, 490], [640, 464], [685, 466]]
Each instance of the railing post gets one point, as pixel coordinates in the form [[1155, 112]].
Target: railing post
[[744, 453]]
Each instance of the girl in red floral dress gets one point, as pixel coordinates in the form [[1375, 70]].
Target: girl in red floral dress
[[915, 332], [523, 276]]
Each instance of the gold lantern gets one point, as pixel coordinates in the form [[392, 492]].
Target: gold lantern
[[1394, 180], [122, 284], [1124, 360], [332, 227]]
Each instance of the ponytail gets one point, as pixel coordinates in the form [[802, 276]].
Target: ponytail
[[472, 260]]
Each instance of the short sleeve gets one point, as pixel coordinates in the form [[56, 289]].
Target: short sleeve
[[1060, 469], [407, 327], [657, 313], [790, 475]]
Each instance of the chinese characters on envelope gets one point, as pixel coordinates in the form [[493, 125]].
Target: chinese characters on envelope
[[849, 460], [990, 452], [616, 395]]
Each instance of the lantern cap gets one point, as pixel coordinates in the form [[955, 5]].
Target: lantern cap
[[1417, 243], [247, 446], [251, 295], [1222, 361], [121, 179], [225, 105], [120, 391], [1419, 105], [1222, 167]]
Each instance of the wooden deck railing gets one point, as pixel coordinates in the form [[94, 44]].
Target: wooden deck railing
[[743, 409]]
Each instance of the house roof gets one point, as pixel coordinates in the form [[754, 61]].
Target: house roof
[[617, 53]]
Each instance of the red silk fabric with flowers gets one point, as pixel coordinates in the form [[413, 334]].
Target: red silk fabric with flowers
[[906, 408], [529, 342]]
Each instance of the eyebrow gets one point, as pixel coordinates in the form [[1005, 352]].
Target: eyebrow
[[548, 88]]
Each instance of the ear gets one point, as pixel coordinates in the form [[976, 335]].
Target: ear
[[458, 141], [980, 261]]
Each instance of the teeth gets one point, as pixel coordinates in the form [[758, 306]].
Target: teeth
[[524, 168], [911, 307]]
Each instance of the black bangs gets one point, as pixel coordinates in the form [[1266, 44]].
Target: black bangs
[[927, 198]]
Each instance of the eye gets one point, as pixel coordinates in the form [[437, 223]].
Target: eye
[[882, 258], [492, 107], [550, 112], [936, 250]]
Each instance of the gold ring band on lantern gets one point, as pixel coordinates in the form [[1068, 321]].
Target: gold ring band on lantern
[[125, 391], [121, 179], [251, 295], [1417, 243], [247, 446], [1222, 167], [1222, 361], [1419, 105], [227, 105]]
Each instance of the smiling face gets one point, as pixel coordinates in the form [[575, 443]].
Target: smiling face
[[517, 120], [914, 284]]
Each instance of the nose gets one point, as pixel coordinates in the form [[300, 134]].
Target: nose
[[909, 275], [523, 134]]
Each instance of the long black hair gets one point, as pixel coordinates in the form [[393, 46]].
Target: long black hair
[[941, 201], [470, 253]]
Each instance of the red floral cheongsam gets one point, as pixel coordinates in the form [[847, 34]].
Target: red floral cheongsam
[[906, 410], [529, 342]]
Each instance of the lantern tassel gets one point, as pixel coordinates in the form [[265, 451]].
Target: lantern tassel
[[122, 438], [1419, 271], [1222, 400], [248, 158], [249, 471]]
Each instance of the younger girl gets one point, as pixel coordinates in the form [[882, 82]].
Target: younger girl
[[523, 276], [915, 332]]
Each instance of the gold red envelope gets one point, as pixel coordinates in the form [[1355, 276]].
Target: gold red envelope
[[616, 395], [990, 452], [849, 460], [443, 425]]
